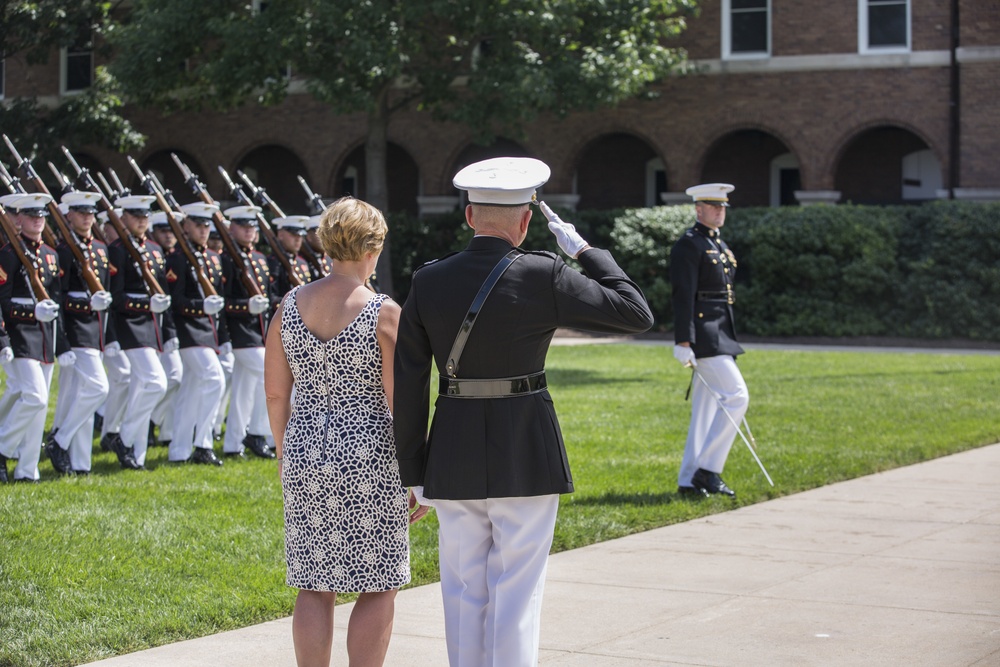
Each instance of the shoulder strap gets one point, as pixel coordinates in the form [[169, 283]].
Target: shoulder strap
[[477, 304]]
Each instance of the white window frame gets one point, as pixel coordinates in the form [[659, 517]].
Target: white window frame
[[64, 72], [783, 161], [653, 167], [727, 35], [863, 32]]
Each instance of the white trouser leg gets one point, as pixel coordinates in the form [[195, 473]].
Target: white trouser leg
[[9, 396], [90, 389], [119, 372], [145, 388], [22, 429], [493, 554], [195, 409], [711, 434], [228, 363], [259, 423], [163, 413], [248, 374]]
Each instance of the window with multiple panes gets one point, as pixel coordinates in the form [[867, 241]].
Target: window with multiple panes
[[746, 28], [883, 25], [78, 65]]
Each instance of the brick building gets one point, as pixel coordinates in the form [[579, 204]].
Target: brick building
[[794, 101]]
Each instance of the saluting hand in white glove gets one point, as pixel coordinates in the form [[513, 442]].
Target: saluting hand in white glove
[[685, 355], [567, 237]]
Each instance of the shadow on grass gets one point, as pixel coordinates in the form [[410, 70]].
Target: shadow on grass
[[578, 376], [644, 498]]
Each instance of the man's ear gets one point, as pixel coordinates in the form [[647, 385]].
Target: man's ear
[[525, 219], [468, 216]]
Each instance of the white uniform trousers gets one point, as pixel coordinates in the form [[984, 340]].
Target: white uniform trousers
[[119, 372], [163, 413], [711, 434], [9, 396], [228, 363], [197, 402], [24, 425], [146, 385], [82, 387], [246, 399], [493, 554]]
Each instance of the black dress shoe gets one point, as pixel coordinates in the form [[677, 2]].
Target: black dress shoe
[[80, 473], [127, 459], [151, 435], [711, 483], [691, 492], [3, 470], [112, 442], [98, 424], [205, 456], [258, 445], [239, 456], [25, 480], [58, 456]]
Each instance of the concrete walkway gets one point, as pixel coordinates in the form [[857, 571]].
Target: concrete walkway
[[898, 568]]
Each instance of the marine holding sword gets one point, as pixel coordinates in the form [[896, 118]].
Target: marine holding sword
[[494, 463]]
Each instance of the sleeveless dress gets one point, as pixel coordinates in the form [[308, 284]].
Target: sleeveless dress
[[346, 518]]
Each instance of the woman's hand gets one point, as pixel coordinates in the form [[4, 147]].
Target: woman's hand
[[417, 511]]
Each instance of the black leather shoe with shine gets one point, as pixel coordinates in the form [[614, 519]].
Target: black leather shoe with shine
[[258, 445], [205, 456], [711, 482]]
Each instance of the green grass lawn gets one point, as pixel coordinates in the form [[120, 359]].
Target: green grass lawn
[[120, 561]]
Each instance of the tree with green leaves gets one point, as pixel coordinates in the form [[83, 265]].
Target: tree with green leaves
[[33, 32], [492, 65]]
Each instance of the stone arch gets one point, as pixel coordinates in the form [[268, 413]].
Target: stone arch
[[276, 168], [868, 168], [612, 170], [745, 157], [348, 177]]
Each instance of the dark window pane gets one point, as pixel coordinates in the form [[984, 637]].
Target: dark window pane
[[78, 71], [749, 4], [789, 182], [749, 32], [887, 25]]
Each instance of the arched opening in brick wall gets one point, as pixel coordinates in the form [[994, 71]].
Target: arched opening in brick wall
[[619, 171], [763, 169], [887, 165], [275, 168], [403, 178], [162, 166], [500, 147]]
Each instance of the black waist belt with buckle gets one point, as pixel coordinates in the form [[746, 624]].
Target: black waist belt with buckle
[[728, 297], [492, 388]]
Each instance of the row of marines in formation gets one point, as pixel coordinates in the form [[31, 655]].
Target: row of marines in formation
[[131, 357]]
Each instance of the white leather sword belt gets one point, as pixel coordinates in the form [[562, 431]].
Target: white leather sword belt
[[492, 388]]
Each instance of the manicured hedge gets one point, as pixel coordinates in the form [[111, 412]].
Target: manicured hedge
[[929, 271]]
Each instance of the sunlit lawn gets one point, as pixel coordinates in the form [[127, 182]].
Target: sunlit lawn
[[119, 561]]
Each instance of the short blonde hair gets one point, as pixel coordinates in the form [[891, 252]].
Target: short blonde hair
[[351, 229]]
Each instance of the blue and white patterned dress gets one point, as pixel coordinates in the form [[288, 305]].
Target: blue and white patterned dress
[[346, 519]]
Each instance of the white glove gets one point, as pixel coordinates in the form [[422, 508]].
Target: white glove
[[258, 304], [112, 348], [225, 349], [566, 235], [171, 345], [6, 356], [159, 302], [100, 300], [213, 304], [685, 355], [67, 358], [46, 310]]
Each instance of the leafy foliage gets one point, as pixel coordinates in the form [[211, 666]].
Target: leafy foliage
[[29, 30]]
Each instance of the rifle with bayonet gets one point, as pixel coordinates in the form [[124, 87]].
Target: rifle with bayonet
[[317, 206], [237, 193], [264, 200], [128, 241], [21, 250], [146, 181], [243, 268]]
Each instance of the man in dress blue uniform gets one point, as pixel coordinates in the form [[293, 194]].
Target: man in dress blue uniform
[[137, 318], [494, 463], [291, 234], [36, 335], [202, 335], [83, 387], [702, 271], [312, 239], [170, 355], [247, 425]]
